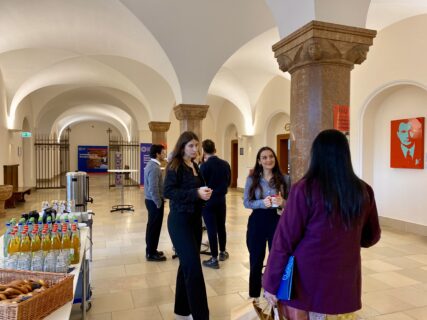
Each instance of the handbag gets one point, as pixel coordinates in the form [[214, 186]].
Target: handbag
[[268, 312], [285, 288]]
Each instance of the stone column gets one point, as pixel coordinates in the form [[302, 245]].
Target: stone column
[[190, 117], [158, 132], [319, 56]]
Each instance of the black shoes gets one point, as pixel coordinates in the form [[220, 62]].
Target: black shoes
[[223, 256], [211, 263], [155, 257]]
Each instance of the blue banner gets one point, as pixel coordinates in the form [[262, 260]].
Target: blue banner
[[92, 158], [145, 157]]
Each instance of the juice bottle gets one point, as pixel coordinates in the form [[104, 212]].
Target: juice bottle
[[36, 252], [75, 244], [13, 251], [66, 241], [24, 258], [63, 260], [55, 242], [49, 256], [13, 246], [45, 242], [25, 245], [36, 244]]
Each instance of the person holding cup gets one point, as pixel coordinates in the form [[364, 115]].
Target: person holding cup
[[187, 191], [265, 191]]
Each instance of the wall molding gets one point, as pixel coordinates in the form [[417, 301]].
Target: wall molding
[[403, 226]]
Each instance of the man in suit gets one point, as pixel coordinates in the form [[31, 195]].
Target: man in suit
[[153, 189], [217, 174], [410, 155]]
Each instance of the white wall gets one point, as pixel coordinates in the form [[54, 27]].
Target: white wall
[[380, 93], [275, 127], [3, 127], [399, 192], [91, 133]]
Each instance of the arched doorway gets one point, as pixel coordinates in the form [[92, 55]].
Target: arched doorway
[[397, 190]]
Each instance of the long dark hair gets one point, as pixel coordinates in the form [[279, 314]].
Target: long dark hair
[[276, 181], [330, 167], [177, 159]]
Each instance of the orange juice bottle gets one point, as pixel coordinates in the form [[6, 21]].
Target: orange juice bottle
[[66, 242], [36, 244], [55, 240], [46, 246], [25, 245], [36, 252], [13, 246], [75, 244]]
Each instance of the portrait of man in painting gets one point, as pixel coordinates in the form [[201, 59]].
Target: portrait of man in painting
[[407, 143]]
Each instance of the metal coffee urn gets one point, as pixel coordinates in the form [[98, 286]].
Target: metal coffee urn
[[78, 190]]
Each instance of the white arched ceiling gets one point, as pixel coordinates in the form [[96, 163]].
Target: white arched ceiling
[[198, 36], [227, 86], [383, 13], [245, 74], [290, 15], [50, 103], [109, 114], [83, 28], [81, 71]]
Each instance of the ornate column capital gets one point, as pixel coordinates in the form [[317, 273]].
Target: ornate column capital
[[323, 43], [190, 111], [157, 126]]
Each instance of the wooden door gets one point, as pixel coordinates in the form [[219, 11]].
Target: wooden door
[[234, 163], [283, 152]]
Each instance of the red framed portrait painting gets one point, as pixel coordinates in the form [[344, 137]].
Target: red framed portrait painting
[[407, 143]]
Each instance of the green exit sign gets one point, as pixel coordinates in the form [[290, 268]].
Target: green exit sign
[[26, 134]]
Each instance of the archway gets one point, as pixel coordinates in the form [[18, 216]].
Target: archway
[[394, 187]]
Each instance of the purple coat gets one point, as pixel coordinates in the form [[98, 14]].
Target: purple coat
[[327, 269]]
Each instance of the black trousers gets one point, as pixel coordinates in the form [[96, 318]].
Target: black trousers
[[214, 217], [154, 226], [185, 230], [261, 227]]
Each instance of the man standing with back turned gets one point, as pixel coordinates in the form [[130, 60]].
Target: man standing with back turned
[[153, 189], [217, 174]]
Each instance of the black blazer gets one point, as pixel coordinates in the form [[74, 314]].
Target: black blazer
[[181, 189], [217, 174]]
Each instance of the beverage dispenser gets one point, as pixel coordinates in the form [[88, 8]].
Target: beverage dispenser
[[78, 191]]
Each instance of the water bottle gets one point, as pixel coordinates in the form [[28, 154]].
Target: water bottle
[[6, 238]]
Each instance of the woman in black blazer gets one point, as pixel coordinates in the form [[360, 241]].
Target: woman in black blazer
[[185, 187]]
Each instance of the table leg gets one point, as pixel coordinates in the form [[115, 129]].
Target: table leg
[[122, 195], [84, 286]]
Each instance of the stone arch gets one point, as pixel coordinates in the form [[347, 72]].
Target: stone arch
[[275, 125], [394, 187]]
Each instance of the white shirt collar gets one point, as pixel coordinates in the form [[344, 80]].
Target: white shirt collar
[[156, 161], [408, 151]]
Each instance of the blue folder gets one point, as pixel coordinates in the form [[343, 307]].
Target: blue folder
[[284, 292]]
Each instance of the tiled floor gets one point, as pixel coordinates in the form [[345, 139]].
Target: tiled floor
[[125, 286]]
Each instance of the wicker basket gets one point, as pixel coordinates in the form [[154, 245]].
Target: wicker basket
[[60, 291]]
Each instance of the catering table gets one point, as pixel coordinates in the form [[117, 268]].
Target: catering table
[[64, 312], [122, 207]]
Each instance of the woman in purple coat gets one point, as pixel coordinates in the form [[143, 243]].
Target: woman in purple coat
[[329, 216]]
